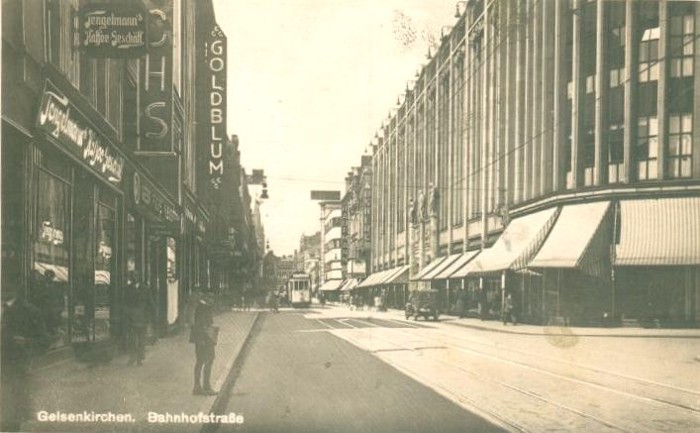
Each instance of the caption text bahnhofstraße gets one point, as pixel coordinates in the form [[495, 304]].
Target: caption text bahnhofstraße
[[152, 417]]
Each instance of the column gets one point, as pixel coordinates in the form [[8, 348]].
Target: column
[[548, 70], [602, 77], [577, 101], [631, 77], [662, 104]]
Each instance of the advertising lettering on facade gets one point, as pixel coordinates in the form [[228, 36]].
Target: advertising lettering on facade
[[112, 30], [152, 203], [157, 67], [216, 70], [62, 121]]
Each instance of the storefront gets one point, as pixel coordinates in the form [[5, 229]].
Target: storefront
[[151, 235], [73, 211]]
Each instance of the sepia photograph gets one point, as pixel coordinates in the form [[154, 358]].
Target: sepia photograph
[[350, 216]]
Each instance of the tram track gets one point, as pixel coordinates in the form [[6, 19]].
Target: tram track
[[534, 369]]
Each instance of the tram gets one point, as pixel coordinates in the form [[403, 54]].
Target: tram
[[299, 290]]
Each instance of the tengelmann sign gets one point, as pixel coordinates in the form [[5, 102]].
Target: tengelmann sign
[[112, 30], [74, 133]]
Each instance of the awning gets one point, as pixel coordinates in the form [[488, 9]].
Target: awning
[[573, 241], [456, 266], [372, 279], [397, 276], [441, 267], [349, 284], [331, 285], [516, 245], [428, 268], [662, 232]]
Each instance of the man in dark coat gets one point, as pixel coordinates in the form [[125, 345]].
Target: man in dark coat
[[140, 311], [23, 337], [204, 337]]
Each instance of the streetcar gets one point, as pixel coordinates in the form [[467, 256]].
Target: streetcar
[[299, 290]]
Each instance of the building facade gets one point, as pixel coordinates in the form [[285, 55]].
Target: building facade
[[100, 163], [524, 111]]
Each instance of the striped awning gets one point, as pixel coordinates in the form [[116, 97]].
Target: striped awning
[[373, 279], [574, 240], [441, 267], [451, 271], [429, 268], [331, 285], [397, 276], [349, 284], [661, 232], [516, 245]]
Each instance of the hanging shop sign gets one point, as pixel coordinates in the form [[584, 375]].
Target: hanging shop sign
[[216, 64], [156, 101], [112, 30], [72, 130], [150, 201]]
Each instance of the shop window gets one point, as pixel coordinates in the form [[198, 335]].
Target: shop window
[[104, 271], [50, 277], [680, 145], [647, 148], [132, 237]]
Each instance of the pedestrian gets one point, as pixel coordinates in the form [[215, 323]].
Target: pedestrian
[[140, 311], [509, 311], [204, 336], [23, 338]]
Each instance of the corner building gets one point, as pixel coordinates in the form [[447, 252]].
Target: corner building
[[550, 149]]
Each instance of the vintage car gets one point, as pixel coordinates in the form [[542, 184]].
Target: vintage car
[[423, 303]]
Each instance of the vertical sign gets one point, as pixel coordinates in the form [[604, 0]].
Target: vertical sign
[[216, 99], [157, 67]]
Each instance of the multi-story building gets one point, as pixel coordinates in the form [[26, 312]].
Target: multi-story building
[[331, 249], [550, 150], [308, 258], [99, 161]]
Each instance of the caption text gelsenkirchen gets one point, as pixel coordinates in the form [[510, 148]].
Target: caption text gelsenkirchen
[[152, 417]]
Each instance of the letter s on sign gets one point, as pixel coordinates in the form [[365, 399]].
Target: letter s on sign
[[163, 125]]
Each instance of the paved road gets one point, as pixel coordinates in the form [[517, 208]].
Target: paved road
[[298, 377]]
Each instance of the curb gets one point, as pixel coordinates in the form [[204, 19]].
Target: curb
[[546, 328], [223, 396]]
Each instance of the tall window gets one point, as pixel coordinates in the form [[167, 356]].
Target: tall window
[[680, 145], [646, 152], [647, 147], [616, 94], [682, 39], [53, 31]]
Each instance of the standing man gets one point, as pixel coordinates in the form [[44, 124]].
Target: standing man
[[23, 337], [204, 335], [140, 310]]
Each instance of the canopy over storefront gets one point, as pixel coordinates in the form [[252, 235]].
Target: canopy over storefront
[[441, 267], [373, 279], [579, 239], [429, 268], [397, 276], [331, 285], [458, 264], [663, 232], [516, 246], [349, 284]]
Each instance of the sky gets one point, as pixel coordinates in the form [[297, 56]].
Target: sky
[[310, 83]]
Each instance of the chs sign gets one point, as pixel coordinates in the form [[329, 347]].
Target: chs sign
[[216, 63]]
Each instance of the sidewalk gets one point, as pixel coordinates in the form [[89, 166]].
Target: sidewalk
[[497, 326], [163, 384]]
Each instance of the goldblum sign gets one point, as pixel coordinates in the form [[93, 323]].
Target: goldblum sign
[[216, 64], [112, 30]]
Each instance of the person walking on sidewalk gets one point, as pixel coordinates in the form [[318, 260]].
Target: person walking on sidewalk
[[140, 311], [509, 311], [23, 337], [204, 335]]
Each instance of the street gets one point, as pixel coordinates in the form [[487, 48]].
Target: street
[[395, 375], [299, 377]]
